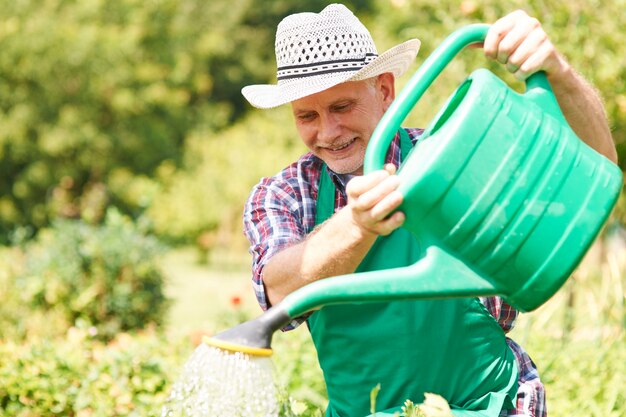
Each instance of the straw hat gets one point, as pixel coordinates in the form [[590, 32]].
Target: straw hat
[[315, 51]]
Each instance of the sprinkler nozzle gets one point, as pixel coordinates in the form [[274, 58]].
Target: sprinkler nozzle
[[253, 337]]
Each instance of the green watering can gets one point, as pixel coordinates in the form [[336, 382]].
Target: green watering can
[[502, 195]]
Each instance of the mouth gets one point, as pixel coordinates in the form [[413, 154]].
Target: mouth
[[341, 147]]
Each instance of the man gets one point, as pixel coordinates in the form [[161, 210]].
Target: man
[[320, 217]]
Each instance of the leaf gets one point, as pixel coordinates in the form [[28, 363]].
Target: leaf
[[373, 395], [435, 406], [411, 410], [297, 407]]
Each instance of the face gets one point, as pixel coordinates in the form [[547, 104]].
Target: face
[[336, 124]]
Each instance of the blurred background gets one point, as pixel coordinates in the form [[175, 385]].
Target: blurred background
[[127, 152]]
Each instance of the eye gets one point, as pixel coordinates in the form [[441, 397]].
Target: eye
[[343, 106], [306, 116]]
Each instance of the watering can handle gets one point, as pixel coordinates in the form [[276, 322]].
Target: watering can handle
[[537, 84]]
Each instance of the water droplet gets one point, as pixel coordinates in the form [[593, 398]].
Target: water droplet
[[218, 383]]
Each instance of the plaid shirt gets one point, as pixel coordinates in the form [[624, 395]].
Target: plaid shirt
[[281, 212]]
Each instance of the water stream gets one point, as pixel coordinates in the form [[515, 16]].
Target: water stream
[[218, 383]]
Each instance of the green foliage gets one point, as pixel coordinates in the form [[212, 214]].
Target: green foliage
[[79, 376], [95, 92], [409, 409], [219, 172], [104, 102], [588, 33], [373, 395], [584, 377], [89, 87], [137, 104], [298, 372], [100, 277]]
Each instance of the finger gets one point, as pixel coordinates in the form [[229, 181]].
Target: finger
[[390, 168], [497, 31], [523, 55], [535, 62], [386, 206], [359, 185], [370, 198], [515, 38], [523, 41], [390, 224]]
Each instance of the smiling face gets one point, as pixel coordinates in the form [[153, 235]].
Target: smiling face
[[336, 124]]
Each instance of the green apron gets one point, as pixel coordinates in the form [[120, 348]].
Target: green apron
[[451, 347]]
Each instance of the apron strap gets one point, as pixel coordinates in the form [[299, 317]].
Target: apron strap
[[405, 145], [326, 190]]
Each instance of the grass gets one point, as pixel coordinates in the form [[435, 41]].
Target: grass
[[203, 295]]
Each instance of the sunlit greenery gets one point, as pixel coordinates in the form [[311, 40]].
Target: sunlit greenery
[[138, 105], [133, 108]]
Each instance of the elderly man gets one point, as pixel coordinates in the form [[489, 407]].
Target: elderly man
[[320, 217]]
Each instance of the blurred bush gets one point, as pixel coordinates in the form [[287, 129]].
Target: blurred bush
[[123, 102], [97, 95], [218, 172], [130, 376], [102, 278], [88, 88], [583, 377], [588, 33], [82, 377]]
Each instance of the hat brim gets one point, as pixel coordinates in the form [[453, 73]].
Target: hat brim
[[395, 60]]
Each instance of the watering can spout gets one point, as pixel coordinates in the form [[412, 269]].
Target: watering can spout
[[253, 337], [438, 274]]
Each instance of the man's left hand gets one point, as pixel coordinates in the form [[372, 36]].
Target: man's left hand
[[519, 42]]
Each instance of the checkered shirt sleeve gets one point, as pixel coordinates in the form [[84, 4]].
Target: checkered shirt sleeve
[[278, 213]]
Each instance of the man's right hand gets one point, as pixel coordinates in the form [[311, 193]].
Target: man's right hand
[[338, 245], [372, 199]]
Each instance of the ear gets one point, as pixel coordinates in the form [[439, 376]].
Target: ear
[[387, 87]]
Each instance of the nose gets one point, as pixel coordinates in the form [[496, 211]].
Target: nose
[[329, 128]]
